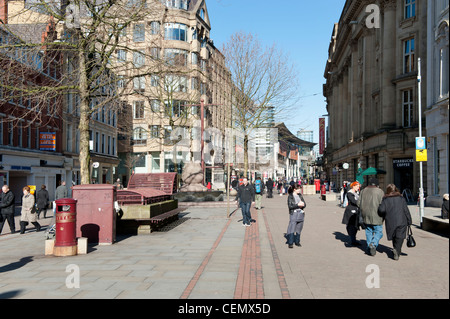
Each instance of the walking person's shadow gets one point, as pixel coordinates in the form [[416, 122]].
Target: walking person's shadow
[[16, 265]]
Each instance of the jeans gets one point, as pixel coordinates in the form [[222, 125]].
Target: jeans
[[373, 234], [246, 217]]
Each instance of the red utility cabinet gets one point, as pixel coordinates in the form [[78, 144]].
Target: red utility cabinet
[[96, 217]]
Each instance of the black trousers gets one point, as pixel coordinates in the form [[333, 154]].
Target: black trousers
[[11, 222], [398, 243]]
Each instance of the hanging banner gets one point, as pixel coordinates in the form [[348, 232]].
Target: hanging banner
[[321, 135]]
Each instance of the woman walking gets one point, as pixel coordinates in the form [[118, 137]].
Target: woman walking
[[296, 205], [396, 213], [350, 217], [28, 213]]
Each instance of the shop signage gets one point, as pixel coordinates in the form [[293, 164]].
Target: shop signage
[[403, 163], [47, 141]]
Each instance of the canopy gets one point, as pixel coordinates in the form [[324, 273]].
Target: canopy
[[373, 171]]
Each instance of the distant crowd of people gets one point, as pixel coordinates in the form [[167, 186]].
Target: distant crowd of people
[[33, 205]]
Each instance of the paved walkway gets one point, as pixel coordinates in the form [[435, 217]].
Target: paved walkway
[[206, 255]]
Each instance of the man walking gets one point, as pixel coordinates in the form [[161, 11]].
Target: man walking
[[368, 202], [245, 196], [7, 209]]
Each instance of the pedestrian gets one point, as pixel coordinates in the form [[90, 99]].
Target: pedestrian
[[368, 202], [118, 184], [28, 213], [296, 205], [7, 208], [246, 196], [42, 199], [444, 209], [397, 216], [269, 186], [259, 187], [351, 212], [61, 192]]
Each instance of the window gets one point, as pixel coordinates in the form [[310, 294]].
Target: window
[[154, 131], [407, 106], [175, 83], [139, 136], [176, 4], [154, 105], [154, 80], [176, 57], [139, 33], [154, 52], [175, 31], [97, 141], [201, 13], [155, 27], [139, 83], [138, 109], [194, 58], [121, 56], [410, 8], [408, 56], [138, 59], [11, 134]]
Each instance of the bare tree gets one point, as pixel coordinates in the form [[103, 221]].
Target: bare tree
[[264, 84], [92, 44]]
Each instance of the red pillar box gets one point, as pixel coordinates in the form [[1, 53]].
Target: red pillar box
[[323, 190], [317, 184], [65, 232], [96, 217]]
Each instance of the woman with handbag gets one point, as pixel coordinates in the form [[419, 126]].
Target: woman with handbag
[[296, 205], [395, 211], [351, 214]]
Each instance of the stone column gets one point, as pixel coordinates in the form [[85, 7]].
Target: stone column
[[388, 70]]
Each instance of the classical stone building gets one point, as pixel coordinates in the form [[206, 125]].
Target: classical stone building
[[437, 105], [371, 90]]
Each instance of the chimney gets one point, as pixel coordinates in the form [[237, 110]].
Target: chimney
[[3, 11]]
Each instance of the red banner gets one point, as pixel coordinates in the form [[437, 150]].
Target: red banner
[[321, 135]]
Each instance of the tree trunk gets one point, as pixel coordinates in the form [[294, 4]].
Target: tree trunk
[[246, 156], [83, 126]]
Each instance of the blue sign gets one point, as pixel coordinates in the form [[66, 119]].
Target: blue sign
[[420, 143]]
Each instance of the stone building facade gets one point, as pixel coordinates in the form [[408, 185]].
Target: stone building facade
[[437, 98], [371, 90]]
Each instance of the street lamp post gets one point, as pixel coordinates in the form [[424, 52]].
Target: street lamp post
[[421, 193]]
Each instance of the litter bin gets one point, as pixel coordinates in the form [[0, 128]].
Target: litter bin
[[96, 217], [65, 229]]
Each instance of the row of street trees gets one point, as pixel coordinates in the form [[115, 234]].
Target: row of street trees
[[90, 40]]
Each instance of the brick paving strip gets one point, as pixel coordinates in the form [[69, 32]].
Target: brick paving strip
[[250, 284], [280, 274], [201, 268]]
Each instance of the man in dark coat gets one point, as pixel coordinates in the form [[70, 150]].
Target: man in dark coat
[[246, 195], [42, 199], [7, 209]]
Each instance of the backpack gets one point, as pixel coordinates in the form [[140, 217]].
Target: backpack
[[258, 186]]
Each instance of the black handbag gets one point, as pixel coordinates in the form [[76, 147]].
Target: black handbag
[[410, 242]]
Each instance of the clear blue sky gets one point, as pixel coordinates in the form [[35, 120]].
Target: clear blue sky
[[302, 28]]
